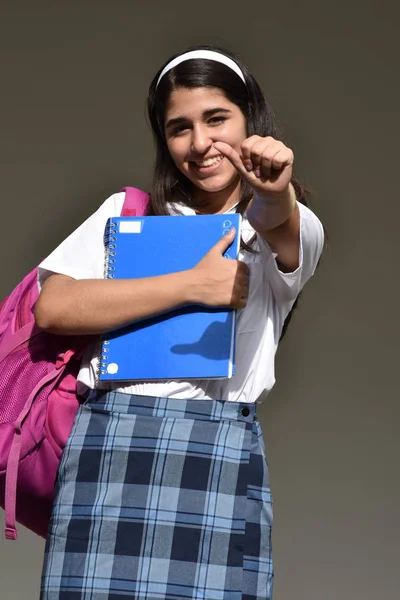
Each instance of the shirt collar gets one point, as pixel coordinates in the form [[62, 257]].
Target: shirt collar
[[187, 211]]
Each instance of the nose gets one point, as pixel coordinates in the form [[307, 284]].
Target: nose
[[201, 141]]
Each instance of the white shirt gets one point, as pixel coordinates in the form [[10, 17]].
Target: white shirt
[[259, 325]]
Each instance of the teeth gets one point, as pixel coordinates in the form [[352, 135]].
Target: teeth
[[210, 161]]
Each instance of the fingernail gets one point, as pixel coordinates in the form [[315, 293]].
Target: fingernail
[[257, 173], [249, 166]]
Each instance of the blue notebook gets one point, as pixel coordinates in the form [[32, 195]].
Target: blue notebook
[[193, 342]]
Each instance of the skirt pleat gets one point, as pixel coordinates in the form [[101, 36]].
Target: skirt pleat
[[161, 499]]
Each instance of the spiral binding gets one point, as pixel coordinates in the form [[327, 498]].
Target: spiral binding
[[109, 243], [109, 260]]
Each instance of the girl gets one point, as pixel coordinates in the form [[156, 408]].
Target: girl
[[163, 488]]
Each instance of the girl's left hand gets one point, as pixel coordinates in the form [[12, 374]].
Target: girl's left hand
[[265, 163]]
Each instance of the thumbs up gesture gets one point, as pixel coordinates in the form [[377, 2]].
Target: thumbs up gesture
[[217, 281]]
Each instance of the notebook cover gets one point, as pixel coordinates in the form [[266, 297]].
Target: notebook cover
[[191, 342]]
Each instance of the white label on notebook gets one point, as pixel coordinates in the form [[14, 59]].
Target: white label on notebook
[[130, 226], [112, 368]]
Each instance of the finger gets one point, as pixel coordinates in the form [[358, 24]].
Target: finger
[[239, 303], [242, 282], [260, 151], [274, 163], [264, 170], [283, 158], [275, 151], [242, 303], [246, 150], [244, 270], [231, 154], [245, 282], [223, 244]]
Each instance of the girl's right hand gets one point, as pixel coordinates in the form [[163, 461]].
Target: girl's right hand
[[218, 281]]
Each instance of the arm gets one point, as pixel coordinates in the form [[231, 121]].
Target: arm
[[93, 306], [277, 220], [267, 165]]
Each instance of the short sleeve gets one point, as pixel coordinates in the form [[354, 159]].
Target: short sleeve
[[287, 286], [81, 254]]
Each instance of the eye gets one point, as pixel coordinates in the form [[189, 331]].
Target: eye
[[179, 130], [217, 120]]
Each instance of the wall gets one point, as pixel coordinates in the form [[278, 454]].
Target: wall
[[74, 84]]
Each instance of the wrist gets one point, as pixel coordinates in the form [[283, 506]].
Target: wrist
[[186, 287], [285, 199], [270, 211]]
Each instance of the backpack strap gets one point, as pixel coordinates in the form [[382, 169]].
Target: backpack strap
[[135, 203]]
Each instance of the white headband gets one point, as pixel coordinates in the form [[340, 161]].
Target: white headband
[[207, 54]]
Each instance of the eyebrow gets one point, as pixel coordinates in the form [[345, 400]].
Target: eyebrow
[[209, 112]]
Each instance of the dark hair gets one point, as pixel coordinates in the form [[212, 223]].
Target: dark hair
[[169, 184]]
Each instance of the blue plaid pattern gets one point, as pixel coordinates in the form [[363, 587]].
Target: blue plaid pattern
[[161, 499]]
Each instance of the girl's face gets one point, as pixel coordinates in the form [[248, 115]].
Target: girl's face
[[196, 118]]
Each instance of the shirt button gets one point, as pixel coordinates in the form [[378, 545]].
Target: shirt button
[[245, 412]]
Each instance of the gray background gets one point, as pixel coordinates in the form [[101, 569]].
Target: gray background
[[74, 81]]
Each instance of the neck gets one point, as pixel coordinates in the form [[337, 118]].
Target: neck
[[216, 202]]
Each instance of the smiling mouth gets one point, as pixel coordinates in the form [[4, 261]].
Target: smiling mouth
[[209, 162]]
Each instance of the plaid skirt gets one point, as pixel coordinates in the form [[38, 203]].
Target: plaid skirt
[[161, 499]]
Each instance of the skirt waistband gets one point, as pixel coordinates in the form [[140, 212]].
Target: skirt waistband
[[204, 410]]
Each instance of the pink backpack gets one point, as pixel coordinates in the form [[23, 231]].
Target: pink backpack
[[38, 401]]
